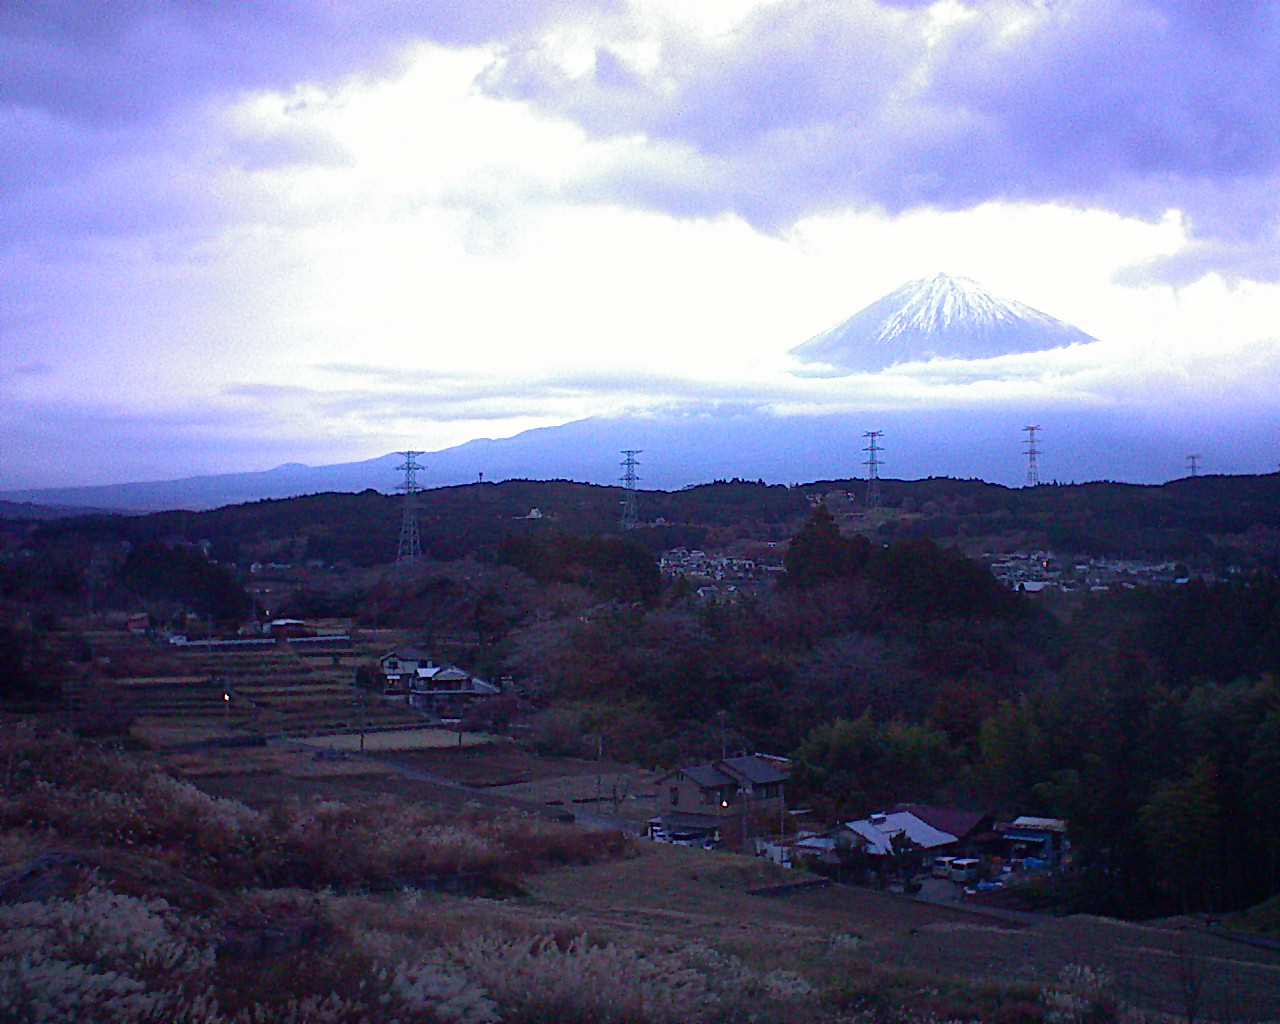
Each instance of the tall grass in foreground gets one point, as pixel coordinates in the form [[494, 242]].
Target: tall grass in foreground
[[179, 908], [72, 792]]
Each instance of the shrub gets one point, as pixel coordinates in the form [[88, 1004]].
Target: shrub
[[102, 798], [540, 981], [1081, 996], [100, 956]]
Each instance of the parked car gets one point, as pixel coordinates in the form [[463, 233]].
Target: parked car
[[965, 869], [942, 867], [692, 839]]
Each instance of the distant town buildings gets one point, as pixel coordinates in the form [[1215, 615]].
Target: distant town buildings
[[1037, 571]]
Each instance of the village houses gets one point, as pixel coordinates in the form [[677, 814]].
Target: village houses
[[721, 801], [444, 690]]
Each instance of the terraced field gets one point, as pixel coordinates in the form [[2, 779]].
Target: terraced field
[[189, 695]]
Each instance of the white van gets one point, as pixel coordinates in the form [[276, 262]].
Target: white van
[[942, 867], [965, 869]]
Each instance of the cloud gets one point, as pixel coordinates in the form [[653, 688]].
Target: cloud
[[256, 424], [1234, 261], [1081, 376], [1137, 107], [23, 371], [111, 114], [132, 60]]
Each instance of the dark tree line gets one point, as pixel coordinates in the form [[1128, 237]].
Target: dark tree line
[[906, 672], [614, 567], [184, 577]]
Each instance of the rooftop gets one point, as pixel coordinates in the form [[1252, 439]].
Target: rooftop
[[946, 819], [879, 833]]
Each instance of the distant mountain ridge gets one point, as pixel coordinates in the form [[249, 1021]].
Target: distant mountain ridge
[[695, 446], [939, 317], [209, 491], [28, 510]]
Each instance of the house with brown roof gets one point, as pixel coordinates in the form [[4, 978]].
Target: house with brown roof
[[447, 690], [974, 831]]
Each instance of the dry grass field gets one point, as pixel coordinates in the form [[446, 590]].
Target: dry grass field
[[266, 761], [400, 739], [663, 894], [604, 787], [704, 895], [678, 895], [159, 680], [625, 794], [503, 764], [694, 896], [357, 782], [831, 953], [159, 733]]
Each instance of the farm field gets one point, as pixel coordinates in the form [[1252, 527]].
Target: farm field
[[503, 764], [268, 776], [355, 780], [662, 894], [402, 739], [504, 770], [671, 893], [160, 733], [303, 713], [185, 696], [628, 794], [267, 761]]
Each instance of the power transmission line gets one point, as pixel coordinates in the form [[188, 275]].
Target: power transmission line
[[873, 464], [630, 516], [409, 551]]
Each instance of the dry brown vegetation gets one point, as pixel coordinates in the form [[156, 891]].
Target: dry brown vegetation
[[503, 764], [268, 761], [893, 948], [406, 739], [129, 895]]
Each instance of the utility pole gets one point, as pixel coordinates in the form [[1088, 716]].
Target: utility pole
[[873, 464], [409, 551], [1193, 465], [599, 766], [782, 809], [630, 517], [1033, 451], [360, 700]]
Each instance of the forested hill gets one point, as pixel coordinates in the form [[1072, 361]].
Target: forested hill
[[1224, 518], [455, 521]]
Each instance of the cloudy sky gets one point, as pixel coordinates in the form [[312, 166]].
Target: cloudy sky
[[233, 235]]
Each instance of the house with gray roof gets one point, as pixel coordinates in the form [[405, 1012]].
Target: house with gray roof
[[723, 797], [400, 666]]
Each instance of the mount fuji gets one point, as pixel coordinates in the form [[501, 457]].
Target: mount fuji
[[939, 317]]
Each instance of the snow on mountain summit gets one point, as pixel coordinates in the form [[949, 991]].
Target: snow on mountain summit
[[939, 317]]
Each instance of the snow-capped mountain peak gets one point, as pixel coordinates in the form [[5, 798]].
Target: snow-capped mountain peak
[[935, 317]]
